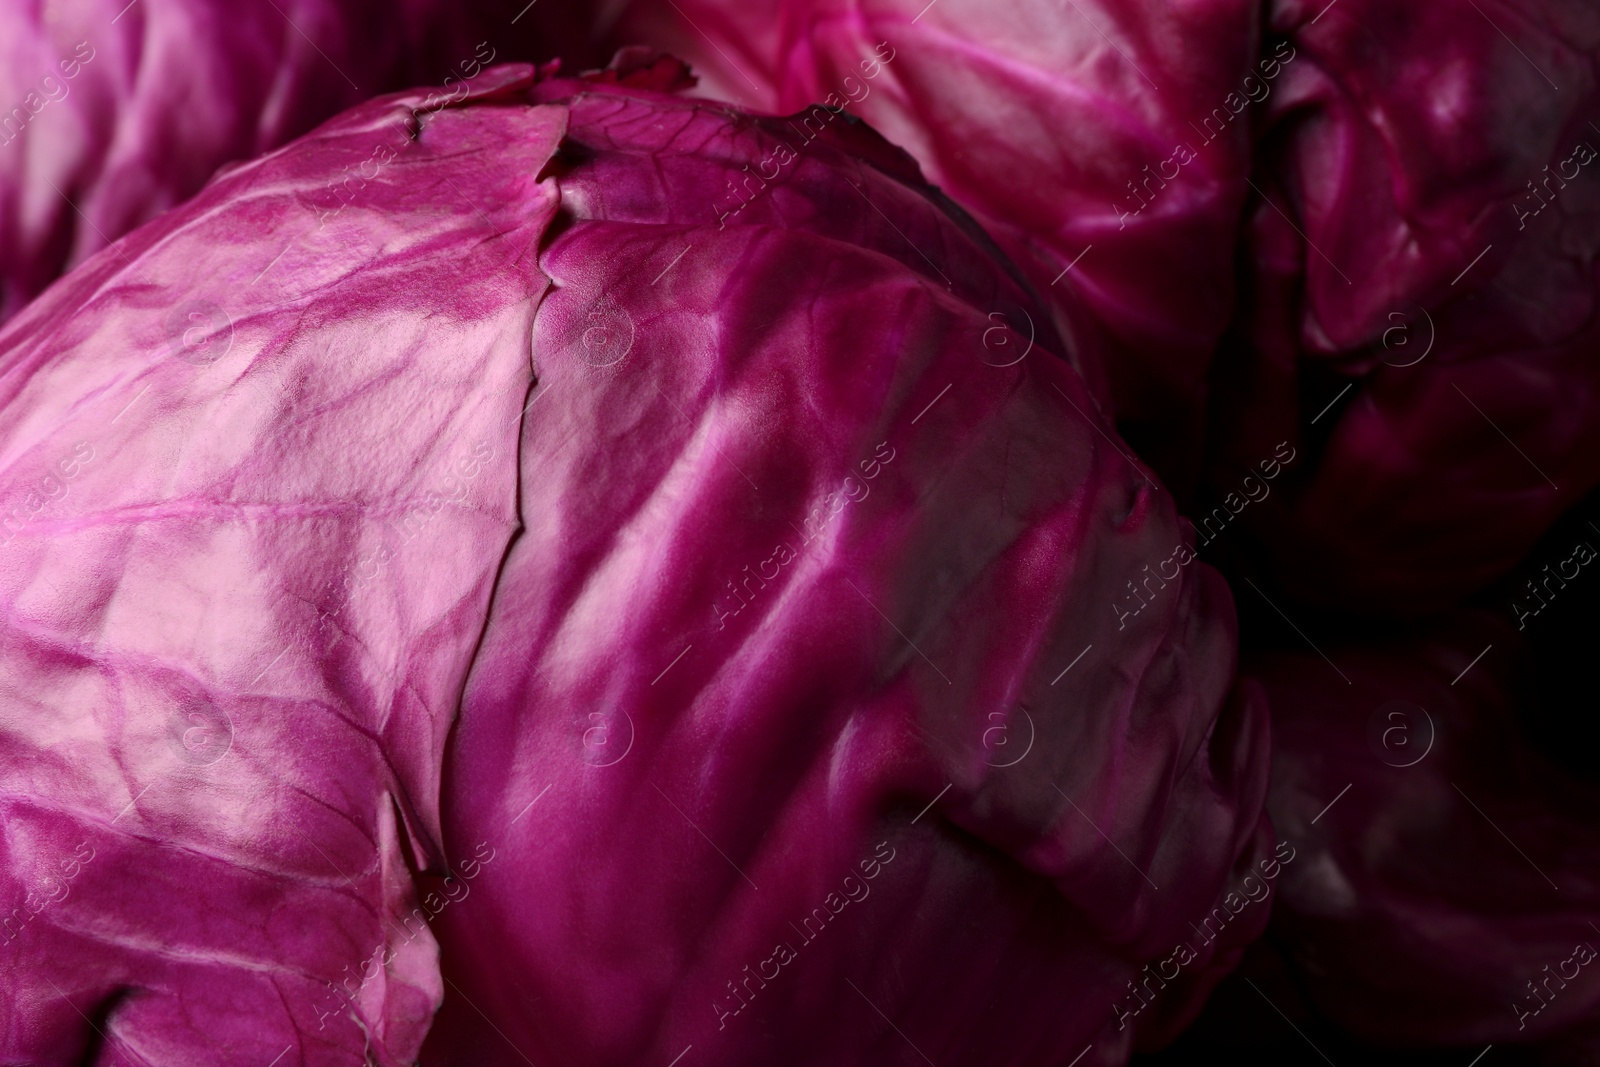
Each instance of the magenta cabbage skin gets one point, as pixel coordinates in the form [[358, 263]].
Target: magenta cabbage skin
[[809, 548], [111, 112], [292, 495], [259, 474], [1399, 148], [1053, 123], [1448, 876]]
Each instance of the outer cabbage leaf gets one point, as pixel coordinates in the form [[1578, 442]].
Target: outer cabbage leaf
[[810, 721], [258, 476]]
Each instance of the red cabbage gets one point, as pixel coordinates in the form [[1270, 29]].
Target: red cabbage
[[737, 530], [1419, 306]]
